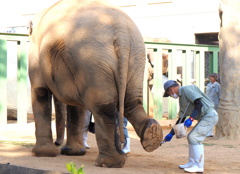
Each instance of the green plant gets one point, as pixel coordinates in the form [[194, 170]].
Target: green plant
[[71, 167]]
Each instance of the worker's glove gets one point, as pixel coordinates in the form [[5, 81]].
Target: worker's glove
[[168, 137], [188, 122]]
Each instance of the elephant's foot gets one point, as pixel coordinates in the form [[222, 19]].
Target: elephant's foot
[[111, 161], [151, 136], [73, 151], [46, 150]]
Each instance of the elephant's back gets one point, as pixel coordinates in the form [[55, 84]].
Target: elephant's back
[[91, 29], [79, 45], [87, 21]]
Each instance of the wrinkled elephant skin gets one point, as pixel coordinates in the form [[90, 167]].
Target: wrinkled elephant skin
[[90, 56]]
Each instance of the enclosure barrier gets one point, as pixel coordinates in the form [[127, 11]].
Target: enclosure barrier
[[188, 54], [22, 75], [192, 60]]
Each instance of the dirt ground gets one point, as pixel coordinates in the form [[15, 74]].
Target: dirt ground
[[221, 156]]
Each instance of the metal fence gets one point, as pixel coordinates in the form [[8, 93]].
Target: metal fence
[[186, 63], [21, 43]]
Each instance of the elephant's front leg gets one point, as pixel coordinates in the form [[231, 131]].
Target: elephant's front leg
[[75, 123], [110, 154], [42, 110]]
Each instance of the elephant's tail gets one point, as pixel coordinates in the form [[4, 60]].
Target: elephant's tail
[[123, 58]]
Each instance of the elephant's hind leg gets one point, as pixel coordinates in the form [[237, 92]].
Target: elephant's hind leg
[[75, 122], [60, 114], [109, 157], [41, 102], [110, 154], [150, 137], [115, 160]]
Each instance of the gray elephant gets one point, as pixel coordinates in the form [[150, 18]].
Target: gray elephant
[[60, 116], [62, 121], [91, 56], [60, 111]]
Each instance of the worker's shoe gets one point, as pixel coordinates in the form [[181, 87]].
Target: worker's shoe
[[126, 148], [190, 160], [198, 154]]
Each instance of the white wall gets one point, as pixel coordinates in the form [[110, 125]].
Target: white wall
[[17, 13], [177, 20]]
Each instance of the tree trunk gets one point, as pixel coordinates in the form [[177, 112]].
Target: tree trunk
[[228, 126]]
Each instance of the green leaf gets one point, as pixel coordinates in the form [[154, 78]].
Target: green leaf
[[80, 171], [69, 167], [73, 165], [74, 170]]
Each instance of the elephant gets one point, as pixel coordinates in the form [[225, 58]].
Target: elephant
[[60, 111], [60, 116], [90, 55]]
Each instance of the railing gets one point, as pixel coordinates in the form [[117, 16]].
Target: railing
[[21, 42], [191, 58]]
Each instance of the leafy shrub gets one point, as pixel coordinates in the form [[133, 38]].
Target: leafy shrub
[[71, 167]]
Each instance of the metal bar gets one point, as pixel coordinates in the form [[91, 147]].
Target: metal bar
[[215, 62], [14, 37], [3, 81], [196, 67], [172, 103], [186, 68], [145, 87], [201, 71], [158, 92], [186, 50], [183, 46], [213, 59], [211, 63], [22, 83]]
